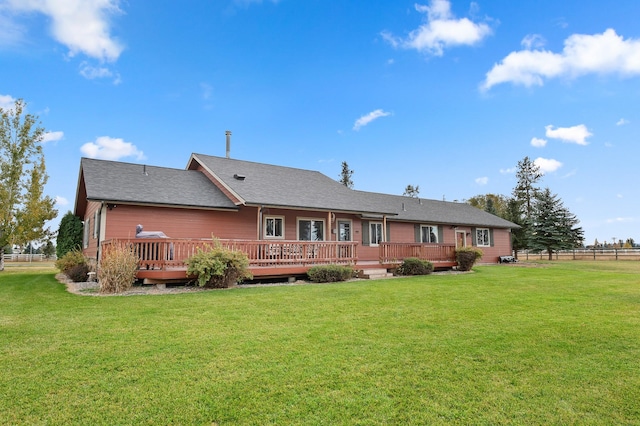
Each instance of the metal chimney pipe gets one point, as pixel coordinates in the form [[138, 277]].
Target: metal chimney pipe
[[228, 134]]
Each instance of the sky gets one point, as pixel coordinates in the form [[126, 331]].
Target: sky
[[447, 95]]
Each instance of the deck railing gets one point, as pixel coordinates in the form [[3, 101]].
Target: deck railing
[[396, 252], [171, 253]]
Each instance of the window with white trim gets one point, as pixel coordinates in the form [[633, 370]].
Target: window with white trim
[[428, 234], [96, 223], [274, 227], [483, 237], [375, 233], [344, 230], [86, 234], [310, 229]]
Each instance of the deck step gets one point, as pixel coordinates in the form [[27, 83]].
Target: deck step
[[374, 273]]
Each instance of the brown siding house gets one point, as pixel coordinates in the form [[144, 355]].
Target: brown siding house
[[285, 219]]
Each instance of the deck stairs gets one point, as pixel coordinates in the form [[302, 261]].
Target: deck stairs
[[374, 273]]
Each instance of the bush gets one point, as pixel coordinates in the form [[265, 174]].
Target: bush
[[330, 273], [118, 266], [218, 267], [69, 260], [467, 257], [414, 266], [78, 273]]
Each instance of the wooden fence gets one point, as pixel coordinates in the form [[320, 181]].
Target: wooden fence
[[585, 254]]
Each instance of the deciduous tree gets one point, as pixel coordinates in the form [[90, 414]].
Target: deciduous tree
[[23, 207]]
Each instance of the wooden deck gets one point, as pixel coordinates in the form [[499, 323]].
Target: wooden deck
[[163, 259]]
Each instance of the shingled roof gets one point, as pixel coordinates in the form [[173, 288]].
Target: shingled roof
[[118, 182], [260, 184], [278, 186], [265, 184]]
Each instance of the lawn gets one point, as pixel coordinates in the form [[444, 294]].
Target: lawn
[[558, 343]]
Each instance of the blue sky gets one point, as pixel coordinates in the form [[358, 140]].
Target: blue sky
[[447, 95]]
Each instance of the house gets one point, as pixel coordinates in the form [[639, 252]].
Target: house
[[285, 219]]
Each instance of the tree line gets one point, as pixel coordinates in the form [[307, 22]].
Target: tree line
[[545, 224]]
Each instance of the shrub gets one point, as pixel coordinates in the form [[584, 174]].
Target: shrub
[[218, 267], [118, 266], [330, 273], [415, 266], [69, 260], [467, 257], [78, 273]]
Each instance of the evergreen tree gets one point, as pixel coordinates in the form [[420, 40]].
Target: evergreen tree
[[553, 226], [70, 234], [345, 175], [526, 191], [412, 191]]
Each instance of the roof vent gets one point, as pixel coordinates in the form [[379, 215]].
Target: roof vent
[[239, 177]]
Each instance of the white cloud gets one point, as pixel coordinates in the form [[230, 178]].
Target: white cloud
[[61, 201], [508, 171], [622, 122], [7, 102], [52, 136], [538, 143], [576, 134], [83, 26], [547, 165], [482, 180], [441, 30], [368, 118], [606, 53], [91, 72], [108, 148], [533, 41]]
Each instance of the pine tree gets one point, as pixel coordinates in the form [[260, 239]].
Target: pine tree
[[525, 191], [412, 191], [553, 226], [345, 175]]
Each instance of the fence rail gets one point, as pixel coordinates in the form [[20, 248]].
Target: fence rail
[[395, 252], [586, 254], [16, 257], [167, 253]]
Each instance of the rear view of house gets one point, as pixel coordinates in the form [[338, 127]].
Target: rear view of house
[[285, 219]]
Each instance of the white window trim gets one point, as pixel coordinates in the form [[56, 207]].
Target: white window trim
[[435, 228], [371, 243], [314, 219], [272, 237], [488, 244], [350, 222]]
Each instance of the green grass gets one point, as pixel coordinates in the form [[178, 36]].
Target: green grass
[[554, 344]]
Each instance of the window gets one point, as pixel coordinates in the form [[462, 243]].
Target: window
[[96, 224], [428, 234], [375, 233], [344, 230], [310, 230], [274, 227], [85, 237], [482, 237]]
